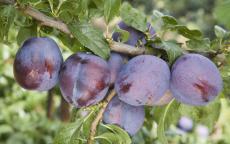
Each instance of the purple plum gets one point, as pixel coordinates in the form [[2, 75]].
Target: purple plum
[[195, 80], [84, 79], [115, 63], [143, 80], [37, 64], [130, 118]]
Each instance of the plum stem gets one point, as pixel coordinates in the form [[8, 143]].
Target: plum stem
[[99, 116]]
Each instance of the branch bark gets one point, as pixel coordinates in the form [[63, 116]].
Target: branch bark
[[7, 1], [45, 20], [61, 26], [99, 117]]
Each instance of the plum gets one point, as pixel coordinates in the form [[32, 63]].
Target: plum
[[115, 63], [143, 80], [202, 131], [165, 99], [84, 79], [37, 64], [135, 35], [195, 80], [185, 124], [128, 117]]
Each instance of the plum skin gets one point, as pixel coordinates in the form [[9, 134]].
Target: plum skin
[[143, 80], [84, 79], [37, 64], [130, 118], [195, 80], [134, 35], [115, 63], [165, 99]]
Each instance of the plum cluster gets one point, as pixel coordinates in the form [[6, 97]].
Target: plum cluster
[[144, 80]]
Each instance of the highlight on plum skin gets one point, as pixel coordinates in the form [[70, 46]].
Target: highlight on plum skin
[[143, 80], [115, 63], [195, 80], [37, 64], [130, 118], [84, 79]]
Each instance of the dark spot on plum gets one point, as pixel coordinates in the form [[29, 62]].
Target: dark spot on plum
[[100, 85], [205, 89], [49, 66], [125, 87]]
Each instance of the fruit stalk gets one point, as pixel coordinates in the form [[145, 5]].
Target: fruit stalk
[[99, 117]]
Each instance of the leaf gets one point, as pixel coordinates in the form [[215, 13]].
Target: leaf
[[5, 129], [25, 33], [7, 15], [172, 49], [123, 34], [111, 9], [168, 116], [169, 20], [118, 133], [221, 12], [201, 45], [219, 31], [51, 3], [65, 133], [91, 38], [133, 17], [186, 32]]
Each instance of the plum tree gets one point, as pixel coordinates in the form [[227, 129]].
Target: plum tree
[[143, 80], [185, 124], [37, 64], [165, 99], [130, 118], [115, 63], [195, 80], [84, 79], [135, 36]]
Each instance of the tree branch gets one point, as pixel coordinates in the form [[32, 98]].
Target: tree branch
[[99, 117], [7, 1], [45, 20], [58, 24]]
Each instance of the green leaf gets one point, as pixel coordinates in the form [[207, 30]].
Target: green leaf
[[169, 20], [91, 38], [124, 35], [201, 45], [186, 32], [221, 12], [219, 31], [167, 116], [118, 134], [111, 9], [65, 133], [172, 49], [25, 33], [7, 15], [133, 17]]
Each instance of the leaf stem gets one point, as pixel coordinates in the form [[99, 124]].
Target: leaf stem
[[99, 117]]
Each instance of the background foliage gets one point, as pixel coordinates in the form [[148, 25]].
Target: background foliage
[[34, 118]]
